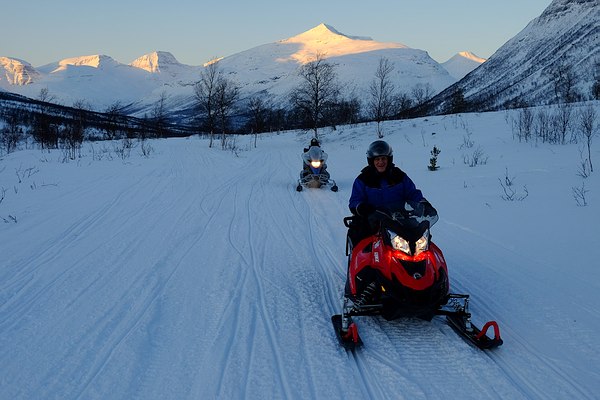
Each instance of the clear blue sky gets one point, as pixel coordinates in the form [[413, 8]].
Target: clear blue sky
[[44, 31]]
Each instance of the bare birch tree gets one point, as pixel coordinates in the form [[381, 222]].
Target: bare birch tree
[[205, 92], [226, 96], [588, 126], [317, 90], [159, 115], [381, 103]]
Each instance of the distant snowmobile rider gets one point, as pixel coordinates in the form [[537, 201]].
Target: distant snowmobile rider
[[313, 142], [306, 158], [380, 185]]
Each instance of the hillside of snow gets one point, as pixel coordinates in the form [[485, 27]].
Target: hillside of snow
[[200, 273]]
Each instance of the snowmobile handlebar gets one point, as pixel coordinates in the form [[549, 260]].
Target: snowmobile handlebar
[[411, 226], [376, 216], [348, 220]]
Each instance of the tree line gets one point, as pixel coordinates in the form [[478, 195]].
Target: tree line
[[48, 125]]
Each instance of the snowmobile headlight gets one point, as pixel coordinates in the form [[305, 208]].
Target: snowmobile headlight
[[423, 243], [316, 164], [399, 243]]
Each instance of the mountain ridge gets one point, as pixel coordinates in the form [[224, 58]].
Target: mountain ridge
[[268, 68]]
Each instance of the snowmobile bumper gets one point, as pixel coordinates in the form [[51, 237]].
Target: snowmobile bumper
[[315, 181]]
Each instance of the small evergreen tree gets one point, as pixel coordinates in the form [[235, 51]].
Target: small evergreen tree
[[433, 160]]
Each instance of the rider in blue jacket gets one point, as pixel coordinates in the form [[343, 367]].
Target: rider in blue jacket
[[379, 185]]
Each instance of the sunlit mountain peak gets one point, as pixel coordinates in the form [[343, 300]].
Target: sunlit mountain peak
[[94, 61], [329, 42], [153, 62], [470, 56], [17, 72]]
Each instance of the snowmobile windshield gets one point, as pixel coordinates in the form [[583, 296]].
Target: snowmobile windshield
[[409, 215], [405, 226], [315, 154]]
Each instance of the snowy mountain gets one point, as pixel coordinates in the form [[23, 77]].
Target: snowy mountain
[[15, 72], [461, 64], [268, 68], [94, 61], [97, 79], [155, 62], [326, 40], [164, 64], [563, 41], [198, 273], [273, 67]]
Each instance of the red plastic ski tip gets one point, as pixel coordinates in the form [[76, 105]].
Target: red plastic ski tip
[[352, 333], [485, 329]]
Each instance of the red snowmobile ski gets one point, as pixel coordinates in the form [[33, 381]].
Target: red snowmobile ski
[[398, 272]]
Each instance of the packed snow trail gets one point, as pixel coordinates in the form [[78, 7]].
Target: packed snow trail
[[198, 273]]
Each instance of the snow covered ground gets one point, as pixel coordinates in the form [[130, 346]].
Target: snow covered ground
[[199, 273]]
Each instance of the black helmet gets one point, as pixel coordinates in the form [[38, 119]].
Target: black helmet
[[377, 149], [314, 142]]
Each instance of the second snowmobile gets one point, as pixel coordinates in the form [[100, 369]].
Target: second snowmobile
[[314, 172]]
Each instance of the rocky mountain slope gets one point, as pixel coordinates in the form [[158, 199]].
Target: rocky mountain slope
[[557, 55]]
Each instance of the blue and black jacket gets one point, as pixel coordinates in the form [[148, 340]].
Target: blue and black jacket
[[383, 189]]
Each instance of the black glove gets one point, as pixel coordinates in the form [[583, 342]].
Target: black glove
[[364, 209], [428, 210]]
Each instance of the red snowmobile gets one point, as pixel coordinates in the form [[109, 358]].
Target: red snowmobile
[[399, 272]]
